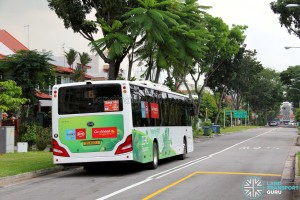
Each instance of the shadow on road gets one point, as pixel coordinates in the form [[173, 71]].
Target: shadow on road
[[109, 169]]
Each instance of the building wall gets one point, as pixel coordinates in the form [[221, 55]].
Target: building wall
[[286, 112]]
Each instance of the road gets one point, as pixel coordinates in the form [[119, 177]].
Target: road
[[223, 167]]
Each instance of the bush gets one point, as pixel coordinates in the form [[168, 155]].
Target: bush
[[33, 133], [207, 123], [28, 133], [197, 132], [43, 138]]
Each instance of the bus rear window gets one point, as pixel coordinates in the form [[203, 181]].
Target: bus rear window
[[90, 99]]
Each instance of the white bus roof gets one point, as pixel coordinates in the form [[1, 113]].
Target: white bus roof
[[147, 84]]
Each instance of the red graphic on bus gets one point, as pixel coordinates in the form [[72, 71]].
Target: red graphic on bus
[[107, 132], [146, 109], [112, 105], [154, 110], [80, 134]]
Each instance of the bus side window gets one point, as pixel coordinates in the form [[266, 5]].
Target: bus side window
[[136, 108]]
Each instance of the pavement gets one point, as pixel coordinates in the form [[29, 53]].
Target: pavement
[[28, 175]]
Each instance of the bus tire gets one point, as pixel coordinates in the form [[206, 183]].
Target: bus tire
[[154, 163], [183, 155]]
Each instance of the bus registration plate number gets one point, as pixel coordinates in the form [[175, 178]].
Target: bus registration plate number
[[91, 142]]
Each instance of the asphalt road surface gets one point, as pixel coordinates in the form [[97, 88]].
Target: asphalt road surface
[[245, 165]]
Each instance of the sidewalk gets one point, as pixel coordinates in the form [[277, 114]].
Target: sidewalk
[[296, 181], [20, 177]]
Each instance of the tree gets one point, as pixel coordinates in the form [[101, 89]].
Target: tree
[[245, 75], [71, 57], [79, 74], [268, 91], [291, 75], [191, 39], [151, 22], [108, 19], [220, 80], [208, 107], [223, 45], [30, 70], [297, 115], [11, 96], [291, 79], [289, 17], [145, 24]]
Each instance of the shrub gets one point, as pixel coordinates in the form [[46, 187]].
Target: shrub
[[33, 133], [43, 138], [207, 123], [197, 132], [28, 133]]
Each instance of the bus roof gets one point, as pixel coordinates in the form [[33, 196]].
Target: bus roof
[[147, 84]]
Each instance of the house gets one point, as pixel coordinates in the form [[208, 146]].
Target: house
[[97, 69], [9, 45]]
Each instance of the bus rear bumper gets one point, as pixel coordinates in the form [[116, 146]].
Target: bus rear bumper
[[85, 159]]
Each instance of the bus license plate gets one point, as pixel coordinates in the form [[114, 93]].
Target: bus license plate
[[92, 142]]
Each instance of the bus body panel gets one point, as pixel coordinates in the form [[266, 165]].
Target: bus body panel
[[169, 139], [97, 133]]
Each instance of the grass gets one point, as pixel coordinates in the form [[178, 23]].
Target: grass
[[199, 132], [17, 163], [237, 128]]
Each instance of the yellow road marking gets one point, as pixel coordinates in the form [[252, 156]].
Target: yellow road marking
[[239, 173], [200, 172]]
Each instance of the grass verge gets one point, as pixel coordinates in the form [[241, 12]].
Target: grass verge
[[17, 163], [200, 132], [237, 128]]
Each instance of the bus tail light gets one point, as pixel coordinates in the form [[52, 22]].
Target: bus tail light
[[58, 150], [126, 146]]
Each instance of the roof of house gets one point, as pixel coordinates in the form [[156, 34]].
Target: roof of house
[[9, 43], [1, 56], [68, 70], [42, 95]]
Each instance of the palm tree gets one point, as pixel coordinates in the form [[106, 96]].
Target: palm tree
[[84, 59], [71, 57], [79, 74], [152, 21]]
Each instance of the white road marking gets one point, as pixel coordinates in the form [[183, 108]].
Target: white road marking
[[175, 169]]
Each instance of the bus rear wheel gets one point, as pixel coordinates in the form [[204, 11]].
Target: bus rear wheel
[[183, 155], [154, 163]]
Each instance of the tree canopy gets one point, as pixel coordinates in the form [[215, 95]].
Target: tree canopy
[[289, 17], [29, 69], [291, 80], [11, 96], [107, 19]]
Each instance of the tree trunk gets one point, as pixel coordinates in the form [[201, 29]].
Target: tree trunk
[[111, 71], [130, 60], [219, 106], [158, 69], [117, 68]]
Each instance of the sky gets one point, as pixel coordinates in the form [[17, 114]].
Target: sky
[[47, 31]]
